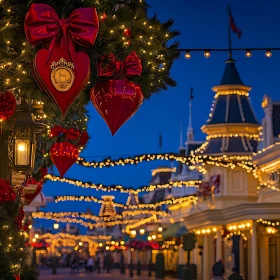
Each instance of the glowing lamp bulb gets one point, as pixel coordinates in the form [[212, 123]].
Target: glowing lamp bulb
[[36, 235], [80, 243], [248, 53], [207, 54], [188, 55], [142, 231], [21, 148], [56, 226], [268, 53], [160, 229]]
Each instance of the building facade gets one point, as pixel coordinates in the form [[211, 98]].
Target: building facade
[[237, 217]]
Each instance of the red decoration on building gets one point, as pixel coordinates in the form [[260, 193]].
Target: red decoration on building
[[117, 99], [63, 156], [60, 70], [17, 277], [7, 105], [31, 188], [7, 194]]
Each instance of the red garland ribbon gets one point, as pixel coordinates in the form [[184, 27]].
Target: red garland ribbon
[[108, 66], [42, 24], [70, 134]]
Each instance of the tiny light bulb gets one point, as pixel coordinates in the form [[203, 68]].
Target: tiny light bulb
[[268, 53], [248, 53], [207, 54], [188, 55]]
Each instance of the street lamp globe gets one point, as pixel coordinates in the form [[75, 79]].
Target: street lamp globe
[[56, 226]]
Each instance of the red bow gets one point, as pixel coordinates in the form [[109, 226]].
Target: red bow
[[43, 24], [70, 134], [109, 66]]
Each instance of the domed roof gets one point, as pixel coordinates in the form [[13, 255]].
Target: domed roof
[[232, 127]]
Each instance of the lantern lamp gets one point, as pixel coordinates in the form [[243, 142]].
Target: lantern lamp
[[24, 138]]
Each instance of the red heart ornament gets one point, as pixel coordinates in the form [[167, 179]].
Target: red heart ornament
[[63, 156], [116, 101], [61, 76]]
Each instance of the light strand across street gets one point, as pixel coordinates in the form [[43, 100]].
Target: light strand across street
[[122, 189], [190, 199]]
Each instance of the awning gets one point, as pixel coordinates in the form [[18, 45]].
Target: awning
[[137, 237], [174, 230]]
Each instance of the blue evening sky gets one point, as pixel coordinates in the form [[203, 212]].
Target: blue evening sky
[[203, 24]]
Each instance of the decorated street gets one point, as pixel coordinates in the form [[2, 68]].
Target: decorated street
[[64, 274]]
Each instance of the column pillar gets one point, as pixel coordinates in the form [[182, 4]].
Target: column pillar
[[181, 256], [254, 253], [205, 261], [219, 244], [211, 254], [278, 256], [264, 257], [195, 254], [128, 255], [241, 257]]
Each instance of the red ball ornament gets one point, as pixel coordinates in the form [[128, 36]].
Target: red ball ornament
[[7, 105], [63, 156], [127, 32], [116, 101], [103, 17]]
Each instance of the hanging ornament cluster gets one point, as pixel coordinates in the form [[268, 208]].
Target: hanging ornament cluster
[[65, 151], [7, 105], [117, 99], [58, 68]]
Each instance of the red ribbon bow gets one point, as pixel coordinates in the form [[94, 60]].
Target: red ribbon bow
[[43, 24], [109, 66], [70, 134]]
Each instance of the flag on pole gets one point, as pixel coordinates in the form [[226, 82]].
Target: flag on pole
[[160, 141], [191, 93], [232, 24]]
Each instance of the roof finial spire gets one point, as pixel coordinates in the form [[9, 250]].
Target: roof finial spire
[[190, 128]]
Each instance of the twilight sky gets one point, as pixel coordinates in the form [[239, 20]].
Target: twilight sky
[[203, 24]]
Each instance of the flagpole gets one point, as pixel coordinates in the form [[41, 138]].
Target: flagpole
[[229, 34], [229, 42]]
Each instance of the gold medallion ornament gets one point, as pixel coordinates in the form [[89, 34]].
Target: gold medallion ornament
[[62, 75]]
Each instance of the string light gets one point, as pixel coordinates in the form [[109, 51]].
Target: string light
[[268, 223], [101, 187], [229, 92], [232, 135], [245, 225], [163, 170], [190, 199], [83, 238]]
